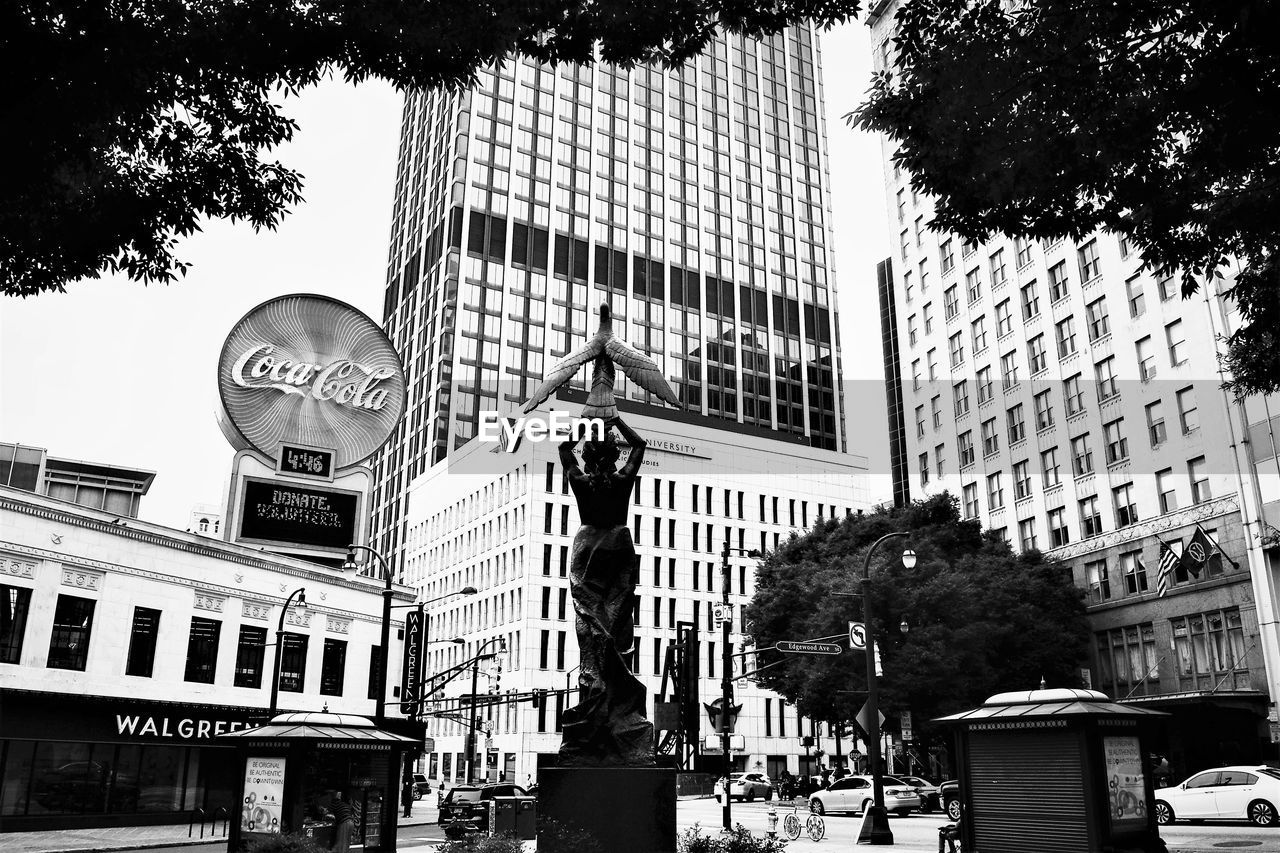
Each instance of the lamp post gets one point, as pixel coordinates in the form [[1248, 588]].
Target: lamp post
[[471, 727], [877, 816], [726, 680], [424, 617], [301, 595], [351, 566]]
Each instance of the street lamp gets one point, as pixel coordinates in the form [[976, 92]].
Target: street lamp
[[424, 618], [877, 815], [726, 679], [471, 728], [301, 595]]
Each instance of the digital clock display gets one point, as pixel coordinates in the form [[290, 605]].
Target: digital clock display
[[306, 462], [280, 513]]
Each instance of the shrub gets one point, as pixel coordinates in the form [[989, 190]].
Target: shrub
[[740, 840], [479, 843], [558, 837], [289, 842]]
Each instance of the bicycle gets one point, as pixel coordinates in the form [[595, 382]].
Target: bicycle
[[815, 826]]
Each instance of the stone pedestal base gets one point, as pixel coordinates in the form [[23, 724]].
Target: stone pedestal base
[[626, 808]]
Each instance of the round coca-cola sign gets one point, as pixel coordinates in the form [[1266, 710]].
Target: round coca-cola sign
[[309, 370]]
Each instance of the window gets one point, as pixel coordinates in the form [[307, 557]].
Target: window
[[15, 604], [1126, 509], [1017, 424], [1146, 360], [1188, 414], [293, 662], [1177, 343], [1117, 444], [142, 642], [1133, 572], [935, 410], [920, 420], [1059, 535], [1044, 410], [968, 247], [971, 500], [1168, 289], [1099, 581], [998, 273], [904, 240], [985, 388], [957, 350], [1128, 663], [1030, 301], [927, 310], [202, 650], [375, 667], [924, 468], [1049, 468], [72, 627], [1104, 373], [919, 227], [1090, 518], [1036, 360], [979, 334], [946, 256], [1098, 318], [1155, 423], [1081, 455], [911, 329], [915, 385], [1065, 332], [333, 667], [951, 303], [960, 391], [250, 653], [1199, 480], [1210, 645], [1072, 395], [973, 285], [965, 443], [990, 439], [1058, 281], [1090, 265], [1004, 320], [938, 454], [1166, 490], [1137, 301], [995, 491], [1022, 247], [1021, 480], [1027, 534], [907, 287], [1009, 369]]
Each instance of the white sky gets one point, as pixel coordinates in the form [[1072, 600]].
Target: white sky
[[117, 372]]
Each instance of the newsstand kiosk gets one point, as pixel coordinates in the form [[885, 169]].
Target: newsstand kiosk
[[291, 768], [1057, 771]]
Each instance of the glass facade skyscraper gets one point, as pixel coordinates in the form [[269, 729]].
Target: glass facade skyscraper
[[693, 201]]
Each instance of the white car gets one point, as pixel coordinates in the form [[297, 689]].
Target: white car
[[855, 794], [1227, 793], [746, 786]]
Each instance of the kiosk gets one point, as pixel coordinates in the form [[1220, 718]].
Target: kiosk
[[290, 769]]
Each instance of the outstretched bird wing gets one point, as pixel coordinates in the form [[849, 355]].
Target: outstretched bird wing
[[641, 370], [562, 373]]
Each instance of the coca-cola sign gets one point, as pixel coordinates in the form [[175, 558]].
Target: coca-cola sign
[[310, 370]]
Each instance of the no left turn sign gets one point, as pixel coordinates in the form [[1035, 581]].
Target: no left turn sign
[[857, 635]]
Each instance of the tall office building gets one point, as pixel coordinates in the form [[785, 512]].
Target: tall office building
[[1071, 400], [695, 203]]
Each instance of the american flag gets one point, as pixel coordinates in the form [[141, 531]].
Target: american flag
[[1168, 562]]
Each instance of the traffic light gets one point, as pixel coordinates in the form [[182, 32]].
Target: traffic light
[[538, 698], [495, 681]]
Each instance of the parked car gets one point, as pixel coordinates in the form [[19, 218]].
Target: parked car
[[466, 807], [855, 794], [930, 797], [1249, 792], [420, 786], [745, 786], [949, 795]]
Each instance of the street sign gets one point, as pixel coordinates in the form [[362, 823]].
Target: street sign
[[802, 648], [721, 613], [864, 719], [857, 635], [711, 744], [905, 720]]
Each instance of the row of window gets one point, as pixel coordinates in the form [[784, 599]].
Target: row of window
[[1208, 648], [1134, 578]]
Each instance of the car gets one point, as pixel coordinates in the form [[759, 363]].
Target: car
[[855, 794], [1243, 792], [949, 795], [466, 807], [420, 786], [745, 786], [930, 797]]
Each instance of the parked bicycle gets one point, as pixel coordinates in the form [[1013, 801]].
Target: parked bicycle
[[814, 825]]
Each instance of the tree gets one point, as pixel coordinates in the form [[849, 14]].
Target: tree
[[127, 122], [1150, 119], [981, 619]]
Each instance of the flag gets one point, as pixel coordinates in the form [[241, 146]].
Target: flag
[[1168, 562], [1218, 552], [1198, 552]]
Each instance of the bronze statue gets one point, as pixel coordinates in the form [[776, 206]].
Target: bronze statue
[[608, 725]]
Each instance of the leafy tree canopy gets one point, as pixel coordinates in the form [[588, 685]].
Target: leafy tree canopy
[[981, 619], [1152, 119], [128, 121]]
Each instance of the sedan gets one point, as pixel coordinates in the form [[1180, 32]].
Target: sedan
[[949, 794], [746, 786], [855, 794], [1228, 793], [930, 795]]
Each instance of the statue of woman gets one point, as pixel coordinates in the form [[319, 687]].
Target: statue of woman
[[608, 725]]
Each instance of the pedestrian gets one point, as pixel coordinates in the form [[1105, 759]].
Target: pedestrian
[[826, 777], [406, 797], [344, 822]]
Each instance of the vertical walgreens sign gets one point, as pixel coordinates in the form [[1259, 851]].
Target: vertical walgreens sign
[[414, 649]]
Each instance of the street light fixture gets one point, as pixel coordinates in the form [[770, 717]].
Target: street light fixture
[[301, 603], [877, 818], [726, 680], [471, 728]]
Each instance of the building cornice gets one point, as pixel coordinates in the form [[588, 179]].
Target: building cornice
[[1150, 527]]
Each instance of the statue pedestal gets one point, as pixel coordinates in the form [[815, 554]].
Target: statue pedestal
[[626, 808]]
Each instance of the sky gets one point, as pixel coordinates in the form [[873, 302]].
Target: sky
[[119, 372]]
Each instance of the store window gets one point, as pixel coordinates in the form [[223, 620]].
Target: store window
[[333, 667], [1127, 661], [72, 627], [202, 650], [250, 654], [15, 603], [293, 662], [142, 642], [1210, 651]]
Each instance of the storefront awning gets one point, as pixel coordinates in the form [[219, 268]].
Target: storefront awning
[[321, 725], [1189, 696]]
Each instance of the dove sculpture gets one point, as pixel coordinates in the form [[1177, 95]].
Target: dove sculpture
[[604, 351]]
